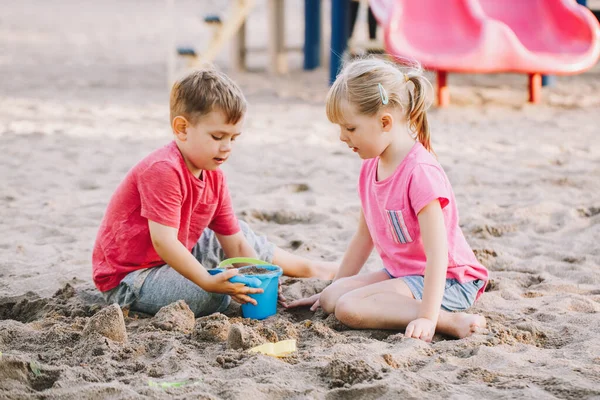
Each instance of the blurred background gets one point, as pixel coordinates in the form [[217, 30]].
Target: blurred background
[[84, 96]]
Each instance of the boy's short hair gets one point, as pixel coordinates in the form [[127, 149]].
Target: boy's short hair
[[203, 91]]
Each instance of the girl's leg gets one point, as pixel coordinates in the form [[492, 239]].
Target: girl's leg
[[331, 294], [391, 305]]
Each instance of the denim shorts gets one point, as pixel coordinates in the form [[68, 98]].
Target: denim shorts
[[148, 290], [457, 296]]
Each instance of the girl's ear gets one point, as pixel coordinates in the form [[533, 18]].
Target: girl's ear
[[179, 126], [387, 121]]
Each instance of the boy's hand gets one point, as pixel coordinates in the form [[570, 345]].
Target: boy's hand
[[280, 297], [312, 301], [239, 292], [421, 328]]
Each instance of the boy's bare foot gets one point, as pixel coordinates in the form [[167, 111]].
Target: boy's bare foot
[[464, 325], [323, 269], [300, 267]]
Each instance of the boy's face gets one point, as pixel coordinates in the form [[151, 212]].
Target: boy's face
[[207, 144]]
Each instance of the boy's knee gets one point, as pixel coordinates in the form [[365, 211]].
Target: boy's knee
[[226, 300], [245, 228], [345, 312], [216, 303]]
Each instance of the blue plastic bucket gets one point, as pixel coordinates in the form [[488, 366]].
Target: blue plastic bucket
[[268, 282]]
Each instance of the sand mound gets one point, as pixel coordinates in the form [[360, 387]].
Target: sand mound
[[109, 323], [175, 317], [212, 328]]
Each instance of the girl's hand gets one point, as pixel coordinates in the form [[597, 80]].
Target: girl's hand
[[421, 328], [312, 301]]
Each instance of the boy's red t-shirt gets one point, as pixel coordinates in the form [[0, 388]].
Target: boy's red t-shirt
[[159, 188]]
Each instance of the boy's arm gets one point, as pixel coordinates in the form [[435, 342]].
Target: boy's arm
[[358, 251], [174, 253], [435, 243], [236, 245]]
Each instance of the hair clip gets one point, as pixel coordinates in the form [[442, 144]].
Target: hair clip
[[384, 97]]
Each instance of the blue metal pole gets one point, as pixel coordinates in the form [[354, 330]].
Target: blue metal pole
[[312, 34], [339, 36], [548, 80]]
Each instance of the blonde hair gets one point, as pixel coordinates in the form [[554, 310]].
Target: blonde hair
[[203, 91], [373, 84]]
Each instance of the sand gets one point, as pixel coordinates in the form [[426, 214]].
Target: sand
[[83, 98]]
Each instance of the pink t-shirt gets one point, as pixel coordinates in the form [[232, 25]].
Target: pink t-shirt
[[159, 188], [391, 206]]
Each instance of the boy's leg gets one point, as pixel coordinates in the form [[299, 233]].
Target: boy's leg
[[300, 267], [332, 293], [391, 305], [209, 252], [151, 289]]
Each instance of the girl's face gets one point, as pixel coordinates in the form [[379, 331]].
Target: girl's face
[[362, 133]]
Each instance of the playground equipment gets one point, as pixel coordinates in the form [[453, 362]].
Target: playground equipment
[[231, 28], [223, 32], [535, 37], [381, 10]]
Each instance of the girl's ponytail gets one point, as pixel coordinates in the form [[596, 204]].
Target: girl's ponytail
[[417, 115]]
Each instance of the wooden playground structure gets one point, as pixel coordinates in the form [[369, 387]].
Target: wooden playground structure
[[534, 37], [231, 29]]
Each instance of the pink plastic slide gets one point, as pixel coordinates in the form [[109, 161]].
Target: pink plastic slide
[[535, 37]]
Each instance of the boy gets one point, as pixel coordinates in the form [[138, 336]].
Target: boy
[[153, 246]]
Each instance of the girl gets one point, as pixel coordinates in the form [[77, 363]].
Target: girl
[[408, 213]]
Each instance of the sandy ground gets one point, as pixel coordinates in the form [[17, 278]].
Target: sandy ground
[[83, 97]]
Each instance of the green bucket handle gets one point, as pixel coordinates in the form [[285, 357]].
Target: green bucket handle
[[246, 280], [240, 260]]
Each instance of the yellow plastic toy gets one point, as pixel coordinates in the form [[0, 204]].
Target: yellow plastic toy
[[280, 349]]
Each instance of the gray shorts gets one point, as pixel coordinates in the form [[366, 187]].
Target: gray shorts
[[457, 296], [148, 290]]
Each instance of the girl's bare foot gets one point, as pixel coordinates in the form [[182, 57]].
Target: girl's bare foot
[[464, 325]]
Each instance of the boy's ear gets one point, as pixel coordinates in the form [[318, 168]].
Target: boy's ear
[[386, 122], [179, 126]]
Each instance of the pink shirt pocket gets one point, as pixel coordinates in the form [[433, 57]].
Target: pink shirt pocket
[[397, 227]]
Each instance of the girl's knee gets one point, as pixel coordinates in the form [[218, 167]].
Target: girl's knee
[[331, 294], [328, 299], [345, 312]]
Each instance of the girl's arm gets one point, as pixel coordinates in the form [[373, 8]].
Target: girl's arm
[[359, 249], [356, 255], [435, 243]]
